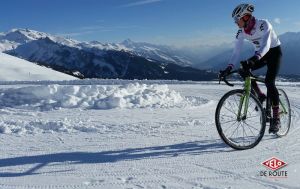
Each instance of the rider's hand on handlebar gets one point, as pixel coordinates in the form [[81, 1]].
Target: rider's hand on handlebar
[[225, 72], [254, 59], [246, 65], [250, 63]]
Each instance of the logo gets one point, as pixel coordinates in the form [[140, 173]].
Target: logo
[[238, 33], [274, 165], [262, 27]]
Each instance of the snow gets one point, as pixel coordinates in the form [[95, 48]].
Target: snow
[[50, 97], [162, 135], [13, 68]]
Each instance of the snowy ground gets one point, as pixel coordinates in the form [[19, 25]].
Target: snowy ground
[[131, 136], [16, 69]]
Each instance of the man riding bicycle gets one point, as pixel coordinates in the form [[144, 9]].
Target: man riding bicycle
[[267, 52]]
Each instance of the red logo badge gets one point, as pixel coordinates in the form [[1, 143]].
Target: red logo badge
[[274, 163]]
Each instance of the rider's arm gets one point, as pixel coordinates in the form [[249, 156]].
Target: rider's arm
[[237, 48], [266, 29]]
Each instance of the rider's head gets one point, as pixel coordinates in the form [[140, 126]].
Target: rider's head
[[242, 14]]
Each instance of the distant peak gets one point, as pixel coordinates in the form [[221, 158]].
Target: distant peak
[[27, 33], [95, 43], [21, 30], [128, 41], [21, 35]]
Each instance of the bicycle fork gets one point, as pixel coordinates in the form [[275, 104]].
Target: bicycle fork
[[244, 100]]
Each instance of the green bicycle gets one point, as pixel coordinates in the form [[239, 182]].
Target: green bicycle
[[241, 119]]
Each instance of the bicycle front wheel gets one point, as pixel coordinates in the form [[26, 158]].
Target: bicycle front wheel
[[240, 131], [284, 113]]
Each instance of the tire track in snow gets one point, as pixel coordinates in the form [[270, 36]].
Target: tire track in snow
[[231, 174]]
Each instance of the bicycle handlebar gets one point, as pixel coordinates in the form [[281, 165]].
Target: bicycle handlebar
[[223, 78]]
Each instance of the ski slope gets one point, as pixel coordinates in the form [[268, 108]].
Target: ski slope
[[16, 69], [130, 134]]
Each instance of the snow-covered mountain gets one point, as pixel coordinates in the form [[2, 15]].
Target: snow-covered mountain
[[126, 60], [161, 53], [149, 51], [17, 37], [16, 69]]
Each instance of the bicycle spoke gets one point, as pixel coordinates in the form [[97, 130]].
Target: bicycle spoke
[[226, 116], [230, 127], [253, 110], [252, 116], [235, 130], [230, 110], [250, 103], [244, 132], [255, 122], [237, 105], [251, 129], [251, 126], [249, 139], [229, 121]]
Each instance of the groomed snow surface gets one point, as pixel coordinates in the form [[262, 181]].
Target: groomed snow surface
[[131, 135]]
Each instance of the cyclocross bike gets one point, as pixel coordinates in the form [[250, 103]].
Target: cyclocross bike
[[241, 118]]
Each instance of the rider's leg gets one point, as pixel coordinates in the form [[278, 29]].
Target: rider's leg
[[261, 96], [273, 67]]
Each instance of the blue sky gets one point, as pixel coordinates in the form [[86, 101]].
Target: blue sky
[[172, 22]]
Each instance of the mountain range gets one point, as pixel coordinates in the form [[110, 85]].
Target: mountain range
[[126, 60]]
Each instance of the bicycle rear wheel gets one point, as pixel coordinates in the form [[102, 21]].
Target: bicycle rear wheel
[[284, 113], [244, 132]]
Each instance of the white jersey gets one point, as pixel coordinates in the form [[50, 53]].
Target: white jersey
[[262, 36]]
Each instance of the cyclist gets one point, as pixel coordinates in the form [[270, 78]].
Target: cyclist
[[267, 52]]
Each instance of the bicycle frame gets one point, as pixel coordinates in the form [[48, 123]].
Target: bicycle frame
[[244, 100]]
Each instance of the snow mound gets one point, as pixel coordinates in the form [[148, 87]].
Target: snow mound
[[49, 97]]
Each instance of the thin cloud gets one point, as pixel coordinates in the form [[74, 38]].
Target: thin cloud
[[297, 23], [76, 34], [277, 20], [139, 3], [87, 30]]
